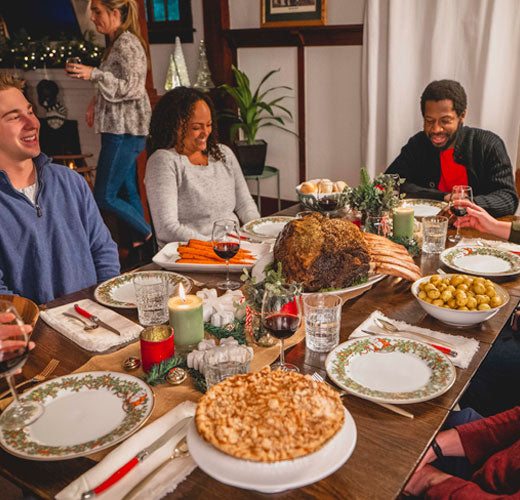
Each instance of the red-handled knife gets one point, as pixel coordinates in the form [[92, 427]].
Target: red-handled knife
[[142, 455], [95, 319]]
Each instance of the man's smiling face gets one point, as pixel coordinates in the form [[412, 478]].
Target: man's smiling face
[[19, 127], [441, 122]]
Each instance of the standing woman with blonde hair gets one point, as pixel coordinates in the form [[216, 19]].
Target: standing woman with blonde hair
[[120, 110]]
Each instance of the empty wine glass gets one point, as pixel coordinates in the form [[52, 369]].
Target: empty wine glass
[[459, 193], [281, 317], [226, 244], [14, 349]]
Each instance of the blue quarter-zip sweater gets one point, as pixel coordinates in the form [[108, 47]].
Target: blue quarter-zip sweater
[[57, 245]]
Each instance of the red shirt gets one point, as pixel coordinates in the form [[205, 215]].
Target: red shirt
[[493, 443], [452, 174]]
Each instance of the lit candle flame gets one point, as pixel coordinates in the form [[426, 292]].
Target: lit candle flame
[[71, 165], [182, 293]]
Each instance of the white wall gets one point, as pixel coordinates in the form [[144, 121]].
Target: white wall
[[332, 100]]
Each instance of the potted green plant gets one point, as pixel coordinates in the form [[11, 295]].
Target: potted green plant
[[254, 111]]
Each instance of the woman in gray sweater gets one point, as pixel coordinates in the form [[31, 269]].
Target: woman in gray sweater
[[191, 180]]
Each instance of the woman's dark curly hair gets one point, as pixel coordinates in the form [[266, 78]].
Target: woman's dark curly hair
[[445, 89], [172, 113]]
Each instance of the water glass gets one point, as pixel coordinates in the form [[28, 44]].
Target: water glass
[[219, 364], [434, 230], [322, 321], [151, 296]]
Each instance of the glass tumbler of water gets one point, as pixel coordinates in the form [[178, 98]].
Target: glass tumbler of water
[[434, 230], [322, 321], [151, 296]]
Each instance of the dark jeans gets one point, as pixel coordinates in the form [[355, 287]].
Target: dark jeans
[[494, 388], [116, 188]]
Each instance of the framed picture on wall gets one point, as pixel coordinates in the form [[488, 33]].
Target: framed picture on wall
[[277, 13]]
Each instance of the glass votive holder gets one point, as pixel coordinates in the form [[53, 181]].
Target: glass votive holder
[[377, 225], [156, 345], [221, 363]]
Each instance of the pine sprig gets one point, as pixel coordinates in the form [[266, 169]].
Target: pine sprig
[[411, 244], [158, 372], [221, 333], [199, 380]]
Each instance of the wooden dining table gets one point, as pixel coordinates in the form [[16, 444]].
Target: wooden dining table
[[389, 446]]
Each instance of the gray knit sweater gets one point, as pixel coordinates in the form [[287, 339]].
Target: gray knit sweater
[[186, 199]]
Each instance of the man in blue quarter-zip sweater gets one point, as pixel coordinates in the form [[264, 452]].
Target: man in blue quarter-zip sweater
[[52, 238]]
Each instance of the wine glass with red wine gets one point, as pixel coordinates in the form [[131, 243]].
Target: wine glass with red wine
[[281, 317], [459, 193], [14, 349], [226, 244], [327, 200]]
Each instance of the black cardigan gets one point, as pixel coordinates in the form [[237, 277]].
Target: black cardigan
[[483, 154]]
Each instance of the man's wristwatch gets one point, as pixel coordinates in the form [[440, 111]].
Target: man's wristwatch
[[437, 449]]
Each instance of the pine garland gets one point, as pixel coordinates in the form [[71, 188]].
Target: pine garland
[[221, 333], [411, 244], [23, 52]]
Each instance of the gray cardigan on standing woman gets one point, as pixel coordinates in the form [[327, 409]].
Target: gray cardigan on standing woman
[[186, 199]]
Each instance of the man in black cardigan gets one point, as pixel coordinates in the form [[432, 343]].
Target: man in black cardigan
[[447, 153]]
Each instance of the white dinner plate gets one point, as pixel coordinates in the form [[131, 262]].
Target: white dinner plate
[[266, 228], [119, 291], [390, 369], [424, 207], [83, 413], [276, 476], [168, 256], [482, 261]]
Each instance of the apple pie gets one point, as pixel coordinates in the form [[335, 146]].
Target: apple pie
[[269, 415]]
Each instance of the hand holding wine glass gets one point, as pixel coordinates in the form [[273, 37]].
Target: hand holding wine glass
[[14, 349], [226, 244], [459, 193], [281, 317]]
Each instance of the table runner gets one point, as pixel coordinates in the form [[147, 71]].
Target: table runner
[[166, 395]]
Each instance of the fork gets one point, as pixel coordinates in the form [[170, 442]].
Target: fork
[[39, 377], [318, 378]]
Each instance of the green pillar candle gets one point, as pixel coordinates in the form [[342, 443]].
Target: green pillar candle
[[186, 321], [403, 218]]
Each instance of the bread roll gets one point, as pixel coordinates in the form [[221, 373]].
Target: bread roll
[[339, 186], [325, 186], [308, 187]]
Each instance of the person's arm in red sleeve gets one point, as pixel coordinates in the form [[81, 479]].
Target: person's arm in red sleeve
[[483, 438], [456, 488]]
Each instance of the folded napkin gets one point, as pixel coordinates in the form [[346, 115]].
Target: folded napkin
[[99, 339], [499, 245], [466, 348], [164, 482]]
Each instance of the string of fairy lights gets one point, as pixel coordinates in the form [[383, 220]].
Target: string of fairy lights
[[23, 52]]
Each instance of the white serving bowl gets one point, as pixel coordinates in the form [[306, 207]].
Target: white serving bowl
[[455, 317]]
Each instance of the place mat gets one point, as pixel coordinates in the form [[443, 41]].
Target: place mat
[[164, 482], [168, 396], [466, 348], [499, 245], [97, 340]]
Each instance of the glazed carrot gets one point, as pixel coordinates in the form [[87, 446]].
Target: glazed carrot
[[192, 243], [206, 252], [207, 261]]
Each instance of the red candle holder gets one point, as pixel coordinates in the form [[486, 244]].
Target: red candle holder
[[156, 345]]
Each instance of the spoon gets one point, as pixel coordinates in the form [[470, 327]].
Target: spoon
[[86, 326], [180, 450], [391, 328]]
